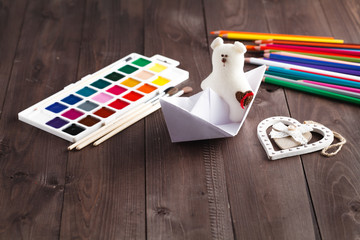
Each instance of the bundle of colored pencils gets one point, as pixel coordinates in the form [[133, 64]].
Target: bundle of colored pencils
[[315, 64]]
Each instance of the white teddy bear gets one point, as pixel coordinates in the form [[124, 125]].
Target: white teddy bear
[[227, 78]]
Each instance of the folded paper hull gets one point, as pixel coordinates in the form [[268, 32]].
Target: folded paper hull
[[205, 115]]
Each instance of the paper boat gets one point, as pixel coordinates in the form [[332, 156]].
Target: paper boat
[[205, 115]]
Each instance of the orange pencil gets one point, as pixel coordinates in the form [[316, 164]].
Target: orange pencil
[[315, 44]]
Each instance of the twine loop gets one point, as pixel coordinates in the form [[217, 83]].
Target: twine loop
[[336, 146]]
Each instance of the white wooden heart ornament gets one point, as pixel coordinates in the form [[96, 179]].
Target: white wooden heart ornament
[[273, 154]]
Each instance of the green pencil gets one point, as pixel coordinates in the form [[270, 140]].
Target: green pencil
[[320, 92]]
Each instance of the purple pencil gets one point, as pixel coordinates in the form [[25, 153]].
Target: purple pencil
[[332, 69]]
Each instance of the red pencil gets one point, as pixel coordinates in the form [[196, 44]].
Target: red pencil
[[270, 47], [315, 44], [317, 49]]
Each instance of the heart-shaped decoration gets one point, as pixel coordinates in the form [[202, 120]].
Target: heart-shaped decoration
[[272, 154]]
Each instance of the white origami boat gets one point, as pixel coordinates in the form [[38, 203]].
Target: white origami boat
[[205, 115]]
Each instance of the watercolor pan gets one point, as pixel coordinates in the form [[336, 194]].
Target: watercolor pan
[[88, 106], [84, 106], [86, 92], [89, 121], [114, 76], [146, 88], [116, 90]]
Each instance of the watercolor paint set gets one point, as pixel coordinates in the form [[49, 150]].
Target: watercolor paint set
[[83, 107]]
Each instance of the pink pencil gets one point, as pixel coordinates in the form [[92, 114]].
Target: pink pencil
[[333, 86], [315, 58], [317, 49]]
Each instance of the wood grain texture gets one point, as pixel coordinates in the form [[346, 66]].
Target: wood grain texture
[[179, 205], [219, 208], [303, 18], [268, 199], [333, 187], [11, 20], [139, 185], [346, 23], [105, 185], [33, 163]]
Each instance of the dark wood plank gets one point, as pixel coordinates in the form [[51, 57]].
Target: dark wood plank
[[139, 185], [186, 191], [333, 182], [268, 199], [303, 17], [346, 24], [33, 162], [105, 186], [11, 19]]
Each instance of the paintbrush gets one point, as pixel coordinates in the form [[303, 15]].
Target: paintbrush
[[125, 117], [141, 114]]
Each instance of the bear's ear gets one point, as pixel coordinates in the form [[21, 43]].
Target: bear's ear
[[217, 42], [239, 47]]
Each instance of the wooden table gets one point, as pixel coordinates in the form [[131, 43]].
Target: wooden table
[[139, 185]]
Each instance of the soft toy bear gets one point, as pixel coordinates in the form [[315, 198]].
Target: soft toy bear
[[227, 78]]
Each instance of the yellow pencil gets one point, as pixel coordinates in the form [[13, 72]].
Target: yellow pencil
[[241, 36], [269, 34]]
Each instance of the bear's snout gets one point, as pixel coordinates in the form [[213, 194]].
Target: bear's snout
[[223, 58]]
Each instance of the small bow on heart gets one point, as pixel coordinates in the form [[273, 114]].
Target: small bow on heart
[[295, 132]]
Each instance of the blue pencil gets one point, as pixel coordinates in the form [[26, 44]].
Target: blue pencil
[[331, 69], [312, 61], [298, 75]]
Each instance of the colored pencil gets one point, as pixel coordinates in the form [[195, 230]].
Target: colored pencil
[[310, 76], [254, 36], [317, 86], [316, 49], [329, 56], [314, 58], [339, 75], [271, 47], [260, 61], [349, 89], [268, 34], [314, 44], [332, 69], [320, 92], [300, 59], [250, 47]]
